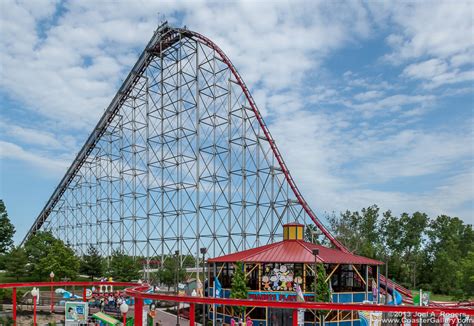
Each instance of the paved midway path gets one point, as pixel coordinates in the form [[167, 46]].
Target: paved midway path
[[166, 319]]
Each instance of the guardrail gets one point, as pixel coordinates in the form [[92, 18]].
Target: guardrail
[[139, 293]]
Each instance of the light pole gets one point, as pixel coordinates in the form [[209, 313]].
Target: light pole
[[51, 276], [34, 294], [315, 253], [314, 233], [386, 279], [124, 310], [177, 282], [203, 252]]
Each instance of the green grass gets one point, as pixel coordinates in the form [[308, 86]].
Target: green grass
[[4, 278], [441, 297], [438, 297]]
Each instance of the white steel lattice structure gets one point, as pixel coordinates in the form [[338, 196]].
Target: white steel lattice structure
[[181, 159]]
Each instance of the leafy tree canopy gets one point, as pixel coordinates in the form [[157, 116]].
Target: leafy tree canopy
[[123, 267], [7, 230], [239, 289], [169, 270], [92, 263], [432, 254], [61, 260], [16, 263], [47, 254]]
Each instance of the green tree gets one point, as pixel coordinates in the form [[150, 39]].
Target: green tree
[[322, 287], [36, 247], [358, 231], [168, 271], [449, 240], [47, 254], [61, 260], [7, 230], [401, 242], [16, 262], [123, 267], [323, 294], [311, 234], [466, 277], [239, 288], [92, 263]]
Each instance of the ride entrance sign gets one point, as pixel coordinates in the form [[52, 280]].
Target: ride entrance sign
[[76, 313]]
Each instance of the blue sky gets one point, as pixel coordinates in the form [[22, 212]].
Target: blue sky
[[369, 102]]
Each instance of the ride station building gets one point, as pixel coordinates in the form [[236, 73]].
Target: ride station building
[[274, 271]]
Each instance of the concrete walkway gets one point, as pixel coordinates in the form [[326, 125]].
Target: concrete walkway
[[164, 318]]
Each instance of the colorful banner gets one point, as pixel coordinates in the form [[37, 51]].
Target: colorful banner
[[217, 288], [374, 291], [299, 293]]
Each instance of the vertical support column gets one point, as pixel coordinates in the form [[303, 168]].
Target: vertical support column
[[295, 317], [14, 305], [229, 169], [378, 284], [34, 310], [191, 314], [304, 277], [148, 213], [51, 295], [214, 312], [366, 282], [198, 186], [84, 294], [161, 159], [138, 312]]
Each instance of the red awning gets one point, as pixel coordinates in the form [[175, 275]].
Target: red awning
[[294, 251]]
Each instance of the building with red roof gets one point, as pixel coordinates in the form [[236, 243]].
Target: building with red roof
[[274, 271]]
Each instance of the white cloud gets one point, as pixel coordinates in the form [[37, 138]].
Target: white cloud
[[392, 103], [37, 162], [30, 136], [438, 29], [426, 69], [369, 95], [438, 35], [338, 169], [69, 72], [437, 72]]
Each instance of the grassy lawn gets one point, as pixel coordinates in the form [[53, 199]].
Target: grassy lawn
[[441, 297], [4, 278], [435, 297], [438, 297]]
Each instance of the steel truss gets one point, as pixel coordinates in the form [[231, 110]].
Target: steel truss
[[181, 159]]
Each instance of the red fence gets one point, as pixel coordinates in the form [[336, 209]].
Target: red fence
[[138, 292]]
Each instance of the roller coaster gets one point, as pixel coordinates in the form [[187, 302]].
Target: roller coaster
[[180, 160]]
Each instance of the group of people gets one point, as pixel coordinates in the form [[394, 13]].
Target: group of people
[[240, 322], [112, 301]]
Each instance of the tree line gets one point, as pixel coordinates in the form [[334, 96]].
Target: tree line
[[435, 254], [431, 253], [43, 253]]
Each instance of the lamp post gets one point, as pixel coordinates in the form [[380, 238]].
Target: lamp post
[[34, 294], [315, 253], [386, 279], [51, 276], [313, 234], [177, 282], [124, 310], [203, 252]]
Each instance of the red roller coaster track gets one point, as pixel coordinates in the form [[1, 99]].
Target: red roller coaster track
[[169, 36]]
